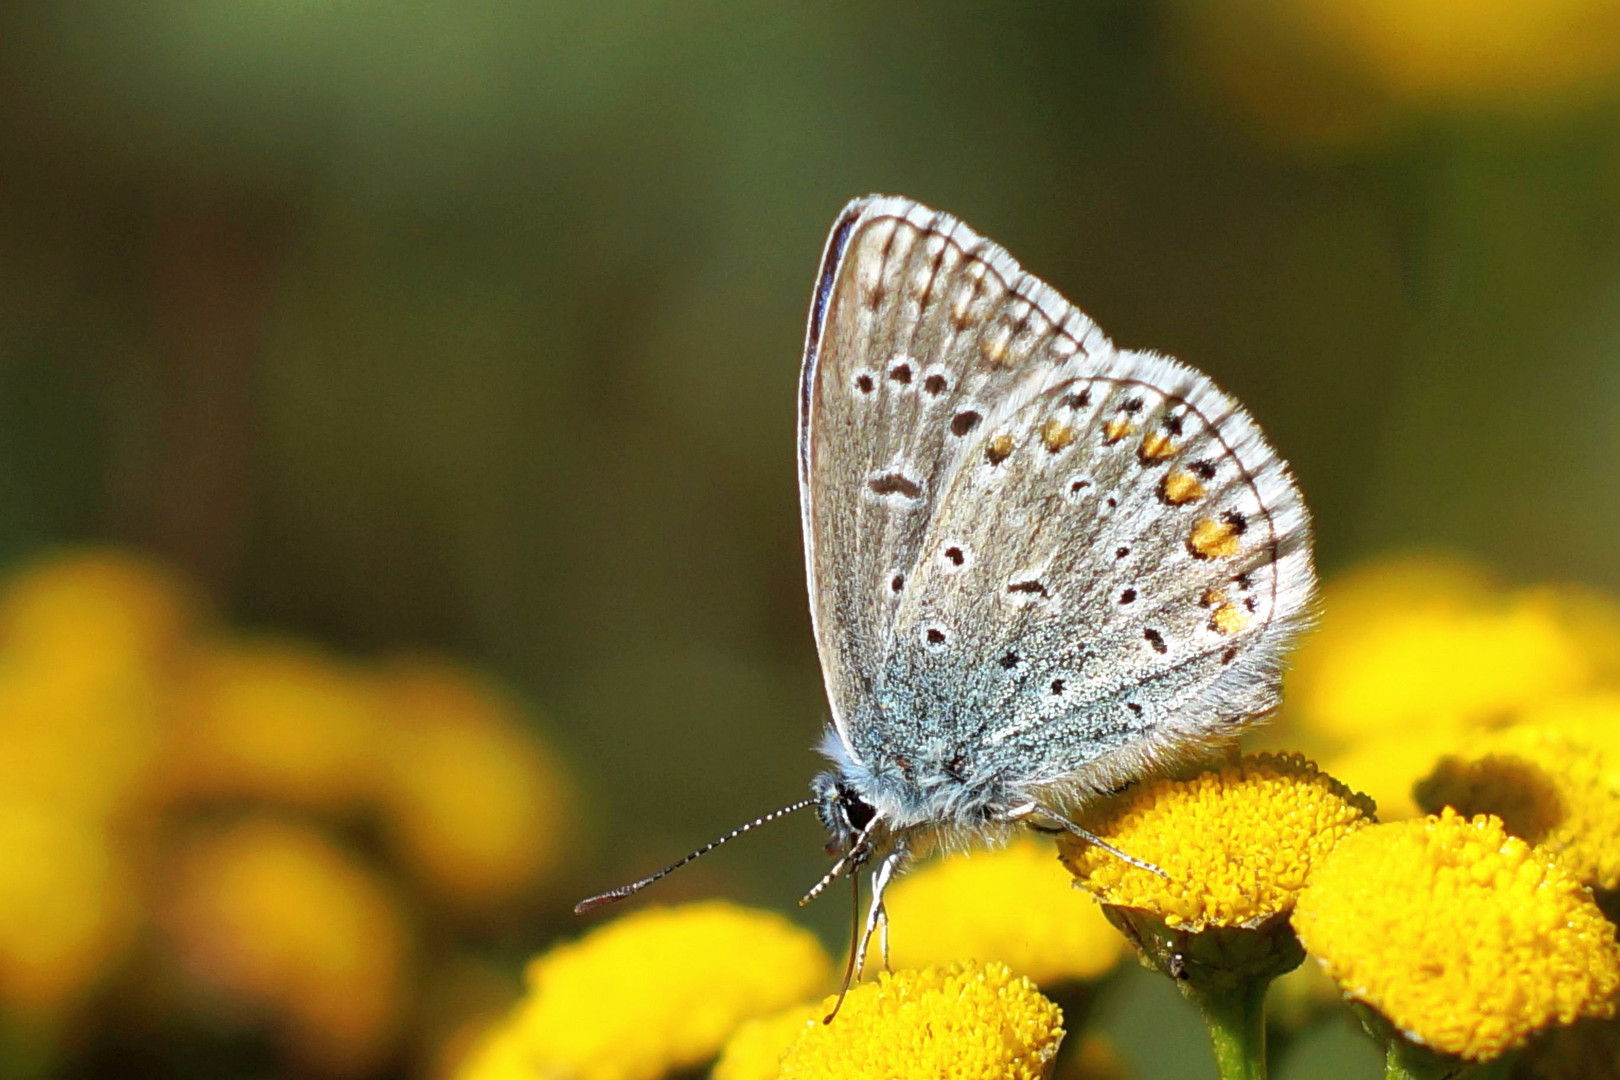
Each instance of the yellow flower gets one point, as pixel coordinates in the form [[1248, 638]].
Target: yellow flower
[[1505, 54], [83, 746], [478, 807], [654, 991], [1466, 938], [275, 721], [755, 1051], [89, 611], [1385, 765], [86, 639], [500, 1055], [1017, 905], [273, 916], [1549, 788], [1333, 73], [1237, 843], [964, 1020], [67, 907], [1421, 643], [1593, 719]]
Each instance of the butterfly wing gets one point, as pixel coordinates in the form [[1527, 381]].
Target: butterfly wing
[[1067, 562], [895, 384]]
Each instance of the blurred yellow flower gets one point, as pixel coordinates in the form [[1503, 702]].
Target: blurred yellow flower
[[1017, 905], [1466, 938], [1505, 54], [67, 907], [1237, 843], [657, 990], [1339, 73], [87, 612], [1421, 643], [1549, 788], [275, 721], [478, 807], [1386, 764], [754, 1051], [1592, 719], [84, 747], [86, 639], [275, 916], [501, 1054], [965, 1020]]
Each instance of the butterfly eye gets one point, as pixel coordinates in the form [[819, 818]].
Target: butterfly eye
[[857, 811]]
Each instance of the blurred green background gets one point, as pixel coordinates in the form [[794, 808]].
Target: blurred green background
[[474, 328]]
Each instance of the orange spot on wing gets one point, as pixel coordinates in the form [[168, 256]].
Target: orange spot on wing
[[1228, 619], [1156, 447], [1056, 435], [1180, 487], [1212, 598], [1000, 448], [1116, 429], [1211, 539]]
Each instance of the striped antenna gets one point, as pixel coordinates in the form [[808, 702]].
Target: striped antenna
[[614, 895]]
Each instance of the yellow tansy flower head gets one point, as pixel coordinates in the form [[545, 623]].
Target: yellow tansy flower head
[[1549, 788], [1466, 938], [1016, 904], [964, 1020], [654, 991], [1237, 843]]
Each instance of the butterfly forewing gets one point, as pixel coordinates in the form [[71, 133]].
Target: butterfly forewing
[[1029, 553], [914, 339]]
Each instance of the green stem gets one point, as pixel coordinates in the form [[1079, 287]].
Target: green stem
[[1236, 1018]]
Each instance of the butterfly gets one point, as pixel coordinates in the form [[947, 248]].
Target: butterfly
[[1040, 566]]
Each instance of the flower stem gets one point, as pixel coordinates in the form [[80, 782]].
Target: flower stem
[[1236, 1018]]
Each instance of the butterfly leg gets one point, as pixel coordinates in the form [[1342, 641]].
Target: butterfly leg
[[876, 914], [883, 937], [1087, 835]]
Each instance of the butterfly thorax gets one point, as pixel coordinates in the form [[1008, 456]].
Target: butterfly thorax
[[935, 787]]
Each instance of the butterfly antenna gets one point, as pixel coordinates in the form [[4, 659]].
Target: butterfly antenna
[[854, 943], [615, 895]]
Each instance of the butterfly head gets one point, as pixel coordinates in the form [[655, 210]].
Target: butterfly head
[[843, 809]]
